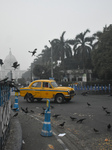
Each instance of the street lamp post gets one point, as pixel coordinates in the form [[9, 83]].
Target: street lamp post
[[51, 61], [31, 72]]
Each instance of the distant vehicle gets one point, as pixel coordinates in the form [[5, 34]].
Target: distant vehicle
[[47, 89]]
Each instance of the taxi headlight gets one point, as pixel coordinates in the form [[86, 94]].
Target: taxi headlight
[[68, 92]]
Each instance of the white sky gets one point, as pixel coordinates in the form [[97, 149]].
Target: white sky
[[29, 24]]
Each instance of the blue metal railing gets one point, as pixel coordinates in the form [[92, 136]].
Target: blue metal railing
[[4, 93], [92, 88], [4, 112]]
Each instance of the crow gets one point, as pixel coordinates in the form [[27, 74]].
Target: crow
[[108, 112], [16, 90], [72, 118], [56, 115], [108, 126], [1, 62], [52, 106], [15, 65], [43, 108], [62, 124], [14, 109], [26, 111], [84, 93], [95, 130], [43, 113], [33, 52], [104, 108], [15, 115], [110, 94], [22, 109], [80, 120], [88, 104], [32, 111], [4, 80]]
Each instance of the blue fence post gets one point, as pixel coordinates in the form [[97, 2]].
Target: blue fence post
[[88, 87], [46, 129], [98, 87], [102, 87], [91, 88], [95, 87], [84, 87], [105, 88], [16, 106], [81, 88]]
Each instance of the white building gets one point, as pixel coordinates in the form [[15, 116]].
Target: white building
[[6, 70]]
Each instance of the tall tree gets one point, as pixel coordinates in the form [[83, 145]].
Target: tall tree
[[102, 55], [82, 47], [61, 48]]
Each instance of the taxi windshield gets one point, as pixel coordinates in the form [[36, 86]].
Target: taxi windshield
[[54, 84]]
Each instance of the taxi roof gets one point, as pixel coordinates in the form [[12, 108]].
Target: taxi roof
[[44, 80]]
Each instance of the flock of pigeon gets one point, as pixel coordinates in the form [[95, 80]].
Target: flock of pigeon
[[72, 118], [82, 119]]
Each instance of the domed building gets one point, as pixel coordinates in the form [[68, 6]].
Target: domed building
[[8, 71]]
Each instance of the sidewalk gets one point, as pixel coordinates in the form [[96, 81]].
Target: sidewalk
[[14, 140]]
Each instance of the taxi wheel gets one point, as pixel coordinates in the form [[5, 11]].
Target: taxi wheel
[[29, 98], [59, 98]]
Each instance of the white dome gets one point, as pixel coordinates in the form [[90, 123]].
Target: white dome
[[8, 62]]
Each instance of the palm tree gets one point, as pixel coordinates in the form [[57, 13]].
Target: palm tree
[[61, 49], [46, 54], [83, 46]]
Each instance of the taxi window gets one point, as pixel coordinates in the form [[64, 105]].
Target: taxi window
[[36, 84], [46, 85]]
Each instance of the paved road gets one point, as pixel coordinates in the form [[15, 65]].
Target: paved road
[[79, 136]]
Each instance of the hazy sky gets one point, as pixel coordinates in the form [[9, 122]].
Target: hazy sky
[[29, 24]]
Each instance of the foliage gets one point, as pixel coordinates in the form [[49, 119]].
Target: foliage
[[61, 48], [41, 71], [94, 52], [102, 56], [22, 81]]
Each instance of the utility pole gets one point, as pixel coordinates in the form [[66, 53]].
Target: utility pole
[[51, 61]]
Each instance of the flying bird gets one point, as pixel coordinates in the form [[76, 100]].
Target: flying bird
[[62, 124], [15, 115], [1, 62], [95, 130], [81, 120], [56, 115], [73, 118], [15, 65], [33, 52]]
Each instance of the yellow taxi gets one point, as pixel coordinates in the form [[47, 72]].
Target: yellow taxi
[[47, 89]]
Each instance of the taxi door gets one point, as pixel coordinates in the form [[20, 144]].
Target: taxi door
[[47, 90], [36, 88]]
